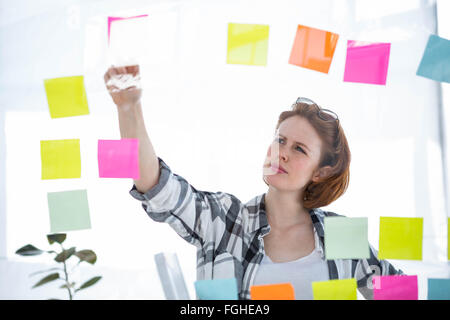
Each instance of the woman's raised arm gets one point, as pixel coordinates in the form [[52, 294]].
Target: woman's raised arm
[[131, 122]]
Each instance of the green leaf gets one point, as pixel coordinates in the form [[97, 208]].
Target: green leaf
[[43, 271], [65, 254], [89, 283], [47, 279], [87, 255], [29, 250], [57, 237]]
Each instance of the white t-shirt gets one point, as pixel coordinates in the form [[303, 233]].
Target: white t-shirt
[[300, 273]]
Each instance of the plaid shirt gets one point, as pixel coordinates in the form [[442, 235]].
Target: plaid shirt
[[229, 234]]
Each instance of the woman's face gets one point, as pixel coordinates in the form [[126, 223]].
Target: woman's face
[[296, 149]]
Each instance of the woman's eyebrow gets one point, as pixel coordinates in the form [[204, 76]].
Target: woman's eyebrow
[[300, 143]]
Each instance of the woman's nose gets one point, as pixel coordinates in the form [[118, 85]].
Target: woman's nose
[[277, 151], [282, 154]]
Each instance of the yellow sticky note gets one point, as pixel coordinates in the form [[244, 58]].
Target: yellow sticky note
[[247, 44], [344, 289], [66, 97], [60, 159], [400, 238]]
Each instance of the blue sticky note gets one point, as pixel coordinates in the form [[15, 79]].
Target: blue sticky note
[[438, 289], [216, 289], [435, 63]]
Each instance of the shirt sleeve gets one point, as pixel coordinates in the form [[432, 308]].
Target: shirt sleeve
[[197, 216], [365, 269]]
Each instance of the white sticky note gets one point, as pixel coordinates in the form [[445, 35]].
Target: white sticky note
[[128, 42]]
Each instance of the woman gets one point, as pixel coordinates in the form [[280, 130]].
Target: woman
[[275, 237]]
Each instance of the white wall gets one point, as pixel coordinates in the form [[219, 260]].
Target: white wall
[[211, 122]]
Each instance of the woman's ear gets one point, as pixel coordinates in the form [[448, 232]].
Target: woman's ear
[[321, 173]]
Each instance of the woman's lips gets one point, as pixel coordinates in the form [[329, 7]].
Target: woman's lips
[[277, 169]]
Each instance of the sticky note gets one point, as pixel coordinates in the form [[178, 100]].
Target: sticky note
[[128, 41], [66, 97], [400, 238], [60, 159], [367, 62], [435, 62], [112, 19], [217, 289], [247, 44], [313, 48], [346, 238], [69, 210], [438, 289], [397, 287], [118, 158], [279, 291], [344, 289]]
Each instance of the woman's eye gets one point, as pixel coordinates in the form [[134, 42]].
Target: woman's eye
[[298, 148], [301, 149]]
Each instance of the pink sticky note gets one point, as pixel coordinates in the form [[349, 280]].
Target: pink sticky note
[[118, 158], [112, 19], [367, 62], [395, 287]]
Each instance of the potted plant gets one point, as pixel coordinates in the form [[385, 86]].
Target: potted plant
[[61, 273]]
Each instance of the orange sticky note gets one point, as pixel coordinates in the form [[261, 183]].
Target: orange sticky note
[[279, 291], [313, 48]]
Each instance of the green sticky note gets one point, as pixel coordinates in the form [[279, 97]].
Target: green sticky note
[[60, 159], [247, 44], [344, 289], [346, 238], [401, 238], [68, 210], [66, 97]]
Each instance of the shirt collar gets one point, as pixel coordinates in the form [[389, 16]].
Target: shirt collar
[[257, 217], [258, 220]]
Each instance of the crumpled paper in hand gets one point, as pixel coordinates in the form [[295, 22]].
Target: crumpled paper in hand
[[121, 82]]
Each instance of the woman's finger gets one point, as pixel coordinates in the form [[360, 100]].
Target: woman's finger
[[121, 70], [112, 71], [132, 88], [106, 76], [112, 88], [134, 70]]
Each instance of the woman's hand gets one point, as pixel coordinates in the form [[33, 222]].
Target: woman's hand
[[123, 84]]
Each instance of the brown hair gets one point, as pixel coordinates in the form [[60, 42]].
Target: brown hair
[[335, 153]]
